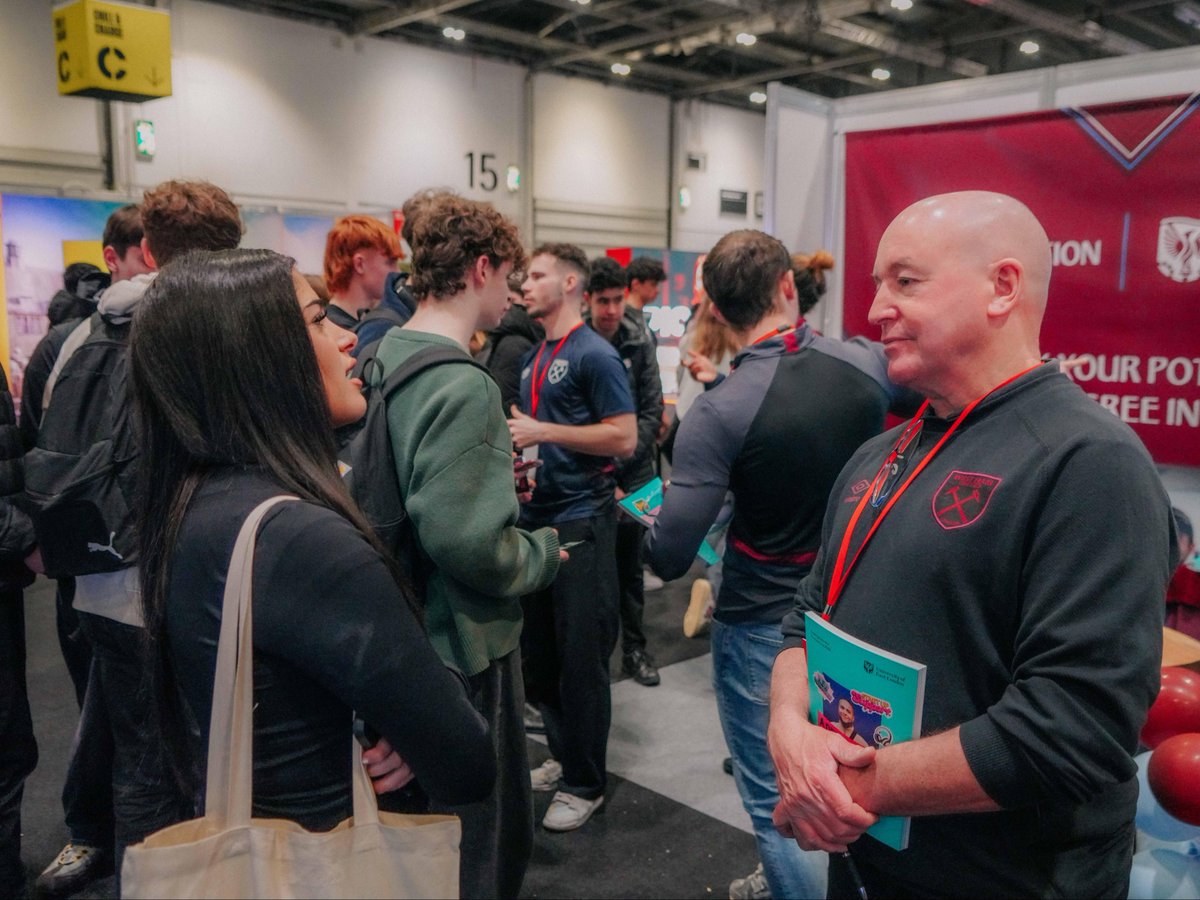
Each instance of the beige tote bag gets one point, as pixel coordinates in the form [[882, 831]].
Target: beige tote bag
[[226, 853]]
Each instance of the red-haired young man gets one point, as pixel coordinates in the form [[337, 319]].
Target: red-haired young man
[[360, 253]]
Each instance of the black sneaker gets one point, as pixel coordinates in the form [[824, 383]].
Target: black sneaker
[[75, 866], [638, 666]]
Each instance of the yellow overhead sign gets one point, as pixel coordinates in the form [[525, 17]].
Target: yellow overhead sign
[[113, 51]]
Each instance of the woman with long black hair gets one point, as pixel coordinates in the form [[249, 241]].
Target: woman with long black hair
[[239, 380]]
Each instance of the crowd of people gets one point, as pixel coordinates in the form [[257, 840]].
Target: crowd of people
[[468, 573]]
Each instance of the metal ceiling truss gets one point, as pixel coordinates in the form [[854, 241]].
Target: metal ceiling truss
[[691, 48]]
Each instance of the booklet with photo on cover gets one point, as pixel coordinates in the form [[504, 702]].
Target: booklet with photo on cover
[[867, 695], [644, 504]]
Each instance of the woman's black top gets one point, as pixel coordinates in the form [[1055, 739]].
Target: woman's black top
[[332, 635]]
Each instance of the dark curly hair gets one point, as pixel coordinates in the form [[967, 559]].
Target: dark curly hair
[[606, 273], [188, 215], [449, 235], [415, 206], [644, 268]]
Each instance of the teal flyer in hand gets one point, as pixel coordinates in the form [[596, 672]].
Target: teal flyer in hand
[[867, 695]]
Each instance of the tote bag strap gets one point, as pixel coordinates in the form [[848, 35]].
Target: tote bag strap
[[231, 728]]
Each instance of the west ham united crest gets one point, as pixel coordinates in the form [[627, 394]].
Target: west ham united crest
[[962, 498], [558, 371], [1179, 249]]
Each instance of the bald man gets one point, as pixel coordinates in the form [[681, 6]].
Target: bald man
[[1023, 560]]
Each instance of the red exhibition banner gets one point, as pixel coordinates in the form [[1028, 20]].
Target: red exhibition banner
[[1117, 188]]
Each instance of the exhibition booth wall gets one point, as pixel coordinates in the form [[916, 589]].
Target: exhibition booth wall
[[1099, 151]]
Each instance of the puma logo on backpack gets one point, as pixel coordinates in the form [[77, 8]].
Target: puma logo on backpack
[[74, 475]]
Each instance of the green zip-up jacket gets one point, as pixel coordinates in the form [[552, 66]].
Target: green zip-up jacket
[[453, 456]]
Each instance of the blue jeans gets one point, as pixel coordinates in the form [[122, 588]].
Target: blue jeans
[[742, 656]]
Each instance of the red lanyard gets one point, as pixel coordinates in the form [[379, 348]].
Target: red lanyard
[[841, 571], [782, 329], [535, 387]]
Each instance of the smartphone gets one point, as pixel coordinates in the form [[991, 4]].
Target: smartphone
[[521, 467], [365, 734]]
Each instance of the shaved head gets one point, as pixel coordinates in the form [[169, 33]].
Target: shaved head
[[962, 285], [981, 228]]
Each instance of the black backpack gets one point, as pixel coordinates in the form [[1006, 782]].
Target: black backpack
[[366, 461], [74, 474]]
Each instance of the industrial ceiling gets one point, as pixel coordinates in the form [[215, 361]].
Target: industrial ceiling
[[727, 50]]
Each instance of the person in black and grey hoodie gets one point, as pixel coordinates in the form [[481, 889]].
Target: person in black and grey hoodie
[[77, 299], [606, 313], [87, 793], [775, 432], [176, 217]]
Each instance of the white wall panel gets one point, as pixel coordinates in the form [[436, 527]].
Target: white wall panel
[[47, 142], [595, 144], [1131, 78], [32, 114], [950, 102], [733, 143], [801, 171]]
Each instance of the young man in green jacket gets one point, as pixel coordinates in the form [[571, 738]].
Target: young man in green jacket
[[454, 464]]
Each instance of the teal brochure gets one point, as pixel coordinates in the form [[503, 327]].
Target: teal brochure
[[867, 695], [644, 504]]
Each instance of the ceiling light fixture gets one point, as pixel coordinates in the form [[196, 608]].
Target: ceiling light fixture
[[881, 74], [1188, 13], [1030, 47], [902, 5], [454, 34], [758, 97], [746, 39], [621, 69]]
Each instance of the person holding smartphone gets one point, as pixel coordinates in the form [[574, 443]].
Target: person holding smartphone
[[448, 430]]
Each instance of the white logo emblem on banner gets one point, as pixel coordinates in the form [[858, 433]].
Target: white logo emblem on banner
[[1179, 248], [558, 368]]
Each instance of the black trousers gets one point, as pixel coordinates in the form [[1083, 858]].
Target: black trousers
[[497, 833], [629, 579], [76, 650], [18, 749], [570, 632], [145, 796]]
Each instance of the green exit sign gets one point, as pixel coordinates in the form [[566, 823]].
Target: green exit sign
[[143, 139]]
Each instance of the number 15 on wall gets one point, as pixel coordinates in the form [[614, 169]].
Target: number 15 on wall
[[488, 179]]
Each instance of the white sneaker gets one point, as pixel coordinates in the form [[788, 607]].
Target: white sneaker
[[545, 777], [700, 608], [567, 812], [650, 581], [753, 887]]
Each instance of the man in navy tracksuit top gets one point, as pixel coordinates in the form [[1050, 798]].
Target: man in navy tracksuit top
[[577, 411], [1019, 547], [776, 432]]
